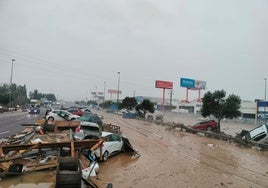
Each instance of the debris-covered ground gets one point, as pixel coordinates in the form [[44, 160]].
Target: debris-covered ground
[[169, 158], [179, 159]]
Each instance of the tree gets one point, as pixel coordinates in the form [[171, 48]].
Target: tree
[[50, 97], [217, 105], [106, 104], [129, 103], [144, 106], [4, 94], [18, 95]]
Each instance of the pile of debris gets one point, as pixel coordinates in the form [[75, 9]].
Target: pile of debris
[[51, 145], [40, 147]]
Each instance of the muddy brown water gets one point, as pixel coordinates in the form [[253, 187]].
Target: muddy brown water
[[168, 159]]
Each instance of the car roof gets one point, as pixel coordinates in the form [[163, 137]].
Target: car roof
[[104, 133], [89, 124]]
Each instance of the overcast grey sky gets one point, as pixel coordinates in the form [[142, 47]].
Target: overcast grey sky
[[71, 47]]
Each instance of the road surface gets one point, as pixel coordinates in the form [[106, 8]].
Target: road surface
[[10, 122], [178, 159], [170, 159]]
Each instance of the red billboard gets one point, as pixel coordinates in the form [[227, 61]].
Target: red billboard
[[163, 84], [114, 91]]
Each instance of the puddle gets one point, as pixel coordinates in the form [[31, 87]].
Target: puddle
[[40, 179]]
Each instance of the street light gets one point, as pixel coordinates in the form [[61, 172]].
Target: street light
[[104, 90], [265, 89], [11, 75], [265, 101], [118, 84]]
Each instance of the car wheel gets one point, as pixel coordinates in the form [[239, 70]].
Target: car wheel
[[105, 156], [209, 129], [51, 118]]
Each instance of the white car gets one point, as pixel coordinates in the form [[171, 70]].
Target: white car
[[112, 144], [259, 134], [61, 115]]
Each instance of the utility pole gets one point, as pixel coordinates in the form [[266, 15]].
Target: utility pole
[[171, 93], [104, 88], [118, 85], [265, 101], [11, 76]]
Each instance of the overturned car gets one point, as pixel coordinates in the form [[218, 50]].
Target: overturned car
[[258, 134]]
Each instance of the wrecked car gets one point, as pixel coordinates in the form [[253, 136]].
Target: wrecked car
[[87, 117], [205, 125], [61, 115], [87, 130], [258, 134], [113, 144]]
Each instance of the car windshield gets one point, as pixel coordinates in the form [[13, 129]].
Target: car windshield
[[89, 128], [84, 118]]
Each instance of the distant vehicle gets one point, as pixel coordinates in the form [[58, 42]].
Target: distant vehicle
[[35, 103], [85, 109], [129, 114], [61, 115], [34, 110], [205, 125], [113, 144], [76, 111], [259, 134], [87, 130], [156, 116], [3, 109], [91, 118]]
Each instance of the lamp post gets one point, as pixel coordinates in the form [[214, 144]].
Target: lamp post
[[264, 100], [265, 89], [104, 90], [118, 85], [11, 75]]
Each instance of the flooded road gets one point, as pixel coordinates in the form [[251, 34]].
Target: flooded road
[[168, 158], [179, 159]]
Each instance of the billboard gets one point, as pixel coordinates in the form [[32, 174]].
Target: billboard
[[193, 84], [200, 84], [163, 84], [113, 91], [187, 82]]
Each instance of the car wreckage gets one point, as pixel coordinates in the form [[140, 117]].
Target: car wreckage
[[50, 145]]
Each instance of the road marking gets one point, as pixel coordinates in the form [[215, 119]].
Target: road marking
[[4, 132]]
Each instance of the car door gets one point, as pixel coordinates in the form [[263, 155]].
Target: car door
[[56, 115], [108, 142], [203, 126], [117, 142]]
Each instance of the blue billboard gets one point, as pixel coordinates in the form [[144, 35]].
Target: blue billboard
[[187, 82]]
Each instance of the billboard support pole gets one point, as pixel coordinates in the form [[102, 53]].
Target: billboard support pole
[[163, 100], [187, 95], [199, 95]]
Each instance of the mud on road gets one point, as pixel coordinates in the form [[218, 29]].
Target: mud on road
[[180, 159], [169, 158]]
